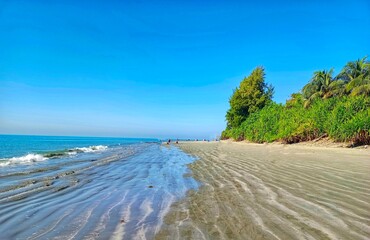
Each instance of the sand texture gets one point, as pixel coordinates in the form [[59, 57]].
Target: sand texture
[[255, 191], [123, 193]]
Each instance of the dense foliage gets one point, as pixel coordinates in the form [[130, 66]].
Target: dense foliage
[[338, 107], [252, 95]]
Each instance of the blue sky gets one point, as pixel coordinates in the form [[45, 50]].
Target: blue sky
[[160, 68]]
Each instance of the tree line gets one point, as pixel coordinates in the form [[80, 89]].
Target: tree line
[[335, 106]]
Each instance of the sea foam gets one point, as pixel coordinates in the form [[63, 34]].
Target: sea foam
[[97, 148], [32, 157], [29, 158]]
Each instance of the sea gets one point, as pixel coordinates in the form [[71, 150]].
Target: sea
[[54, 187]]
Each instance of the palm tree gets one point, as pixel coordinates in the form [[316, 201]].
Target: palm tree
[[357, 76], [322, 85], [355, 69]]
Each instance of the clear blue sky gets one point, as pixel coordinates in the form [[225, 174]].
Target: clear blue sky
[[160, 68]]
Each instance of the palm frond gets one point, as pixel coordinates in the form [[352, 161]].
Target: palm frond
[[361, 90], [357, 82]]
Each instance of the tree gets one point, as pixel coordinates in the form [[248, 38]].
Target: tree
[[357, 76], [253, 94], [322, 85], [355, 69]]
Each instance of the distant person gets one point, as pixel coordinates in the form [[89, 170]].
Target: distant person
[[169, 141], [177, 141]]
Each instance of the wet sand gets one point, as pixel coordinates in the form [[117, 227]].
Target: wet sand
[[255, 191], [122, 193]]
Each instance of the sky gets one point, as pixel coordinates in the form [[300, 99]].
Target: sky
[[161, 68]]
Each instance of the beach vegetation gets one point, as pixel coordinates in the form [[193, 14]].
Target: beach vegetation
[[322, 85], [327, 106], [252, 95]]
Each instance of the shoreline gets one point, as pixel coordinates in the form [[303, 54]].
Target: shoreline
[[119, 193], [324, 143], [273, 191], [317, 143]]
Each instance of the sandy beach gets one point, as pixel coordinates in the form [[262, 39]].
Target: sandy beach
[[253, 191]]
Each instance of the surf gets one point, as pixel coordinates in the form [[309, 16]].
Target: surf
[[99, 193], [30, 158]]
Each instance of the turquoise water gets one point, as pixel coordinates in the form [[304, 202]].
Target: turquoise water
[[88, 188], [19, 145]]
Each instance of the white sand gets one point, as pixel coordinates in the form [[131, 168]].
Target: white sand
[[256, 191]]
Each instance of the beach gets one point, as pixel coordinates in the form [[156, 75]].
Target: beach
[[138, 189], [121, 190], [269, 191]]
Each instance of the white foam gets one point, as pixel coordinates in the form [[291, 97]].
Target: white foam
[[97, 148], [29, 158], [32, 157]]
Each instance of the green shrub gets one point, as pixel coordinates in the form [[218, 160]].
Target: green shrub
[[335, 106], [349, 120], [341, 118]]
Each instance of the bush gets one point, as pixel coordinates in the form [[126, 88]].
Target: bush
[[350, 120], [341, 118], [335, 106]]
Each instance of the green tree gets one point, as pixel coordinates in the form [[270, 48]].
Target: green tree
[[357, 76], [322, 85], [253, 94], [355, 69]]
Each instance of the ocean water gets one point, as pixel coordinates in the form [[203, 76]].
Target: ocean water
[[18, 145], [88, 188]]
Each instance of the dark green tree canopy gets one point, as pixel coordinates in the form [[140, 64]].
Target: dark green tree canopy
[[252, 95], [355, 69], [322, 85], [354, 79], [357, 74]]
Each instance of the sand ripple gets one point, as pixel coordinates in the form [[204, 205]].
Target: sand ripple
[[124, 194], [273, 192]]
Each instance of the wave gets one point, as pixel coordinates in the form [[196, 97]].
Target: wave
[[29, 158], [97, 148], [38, 157]]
